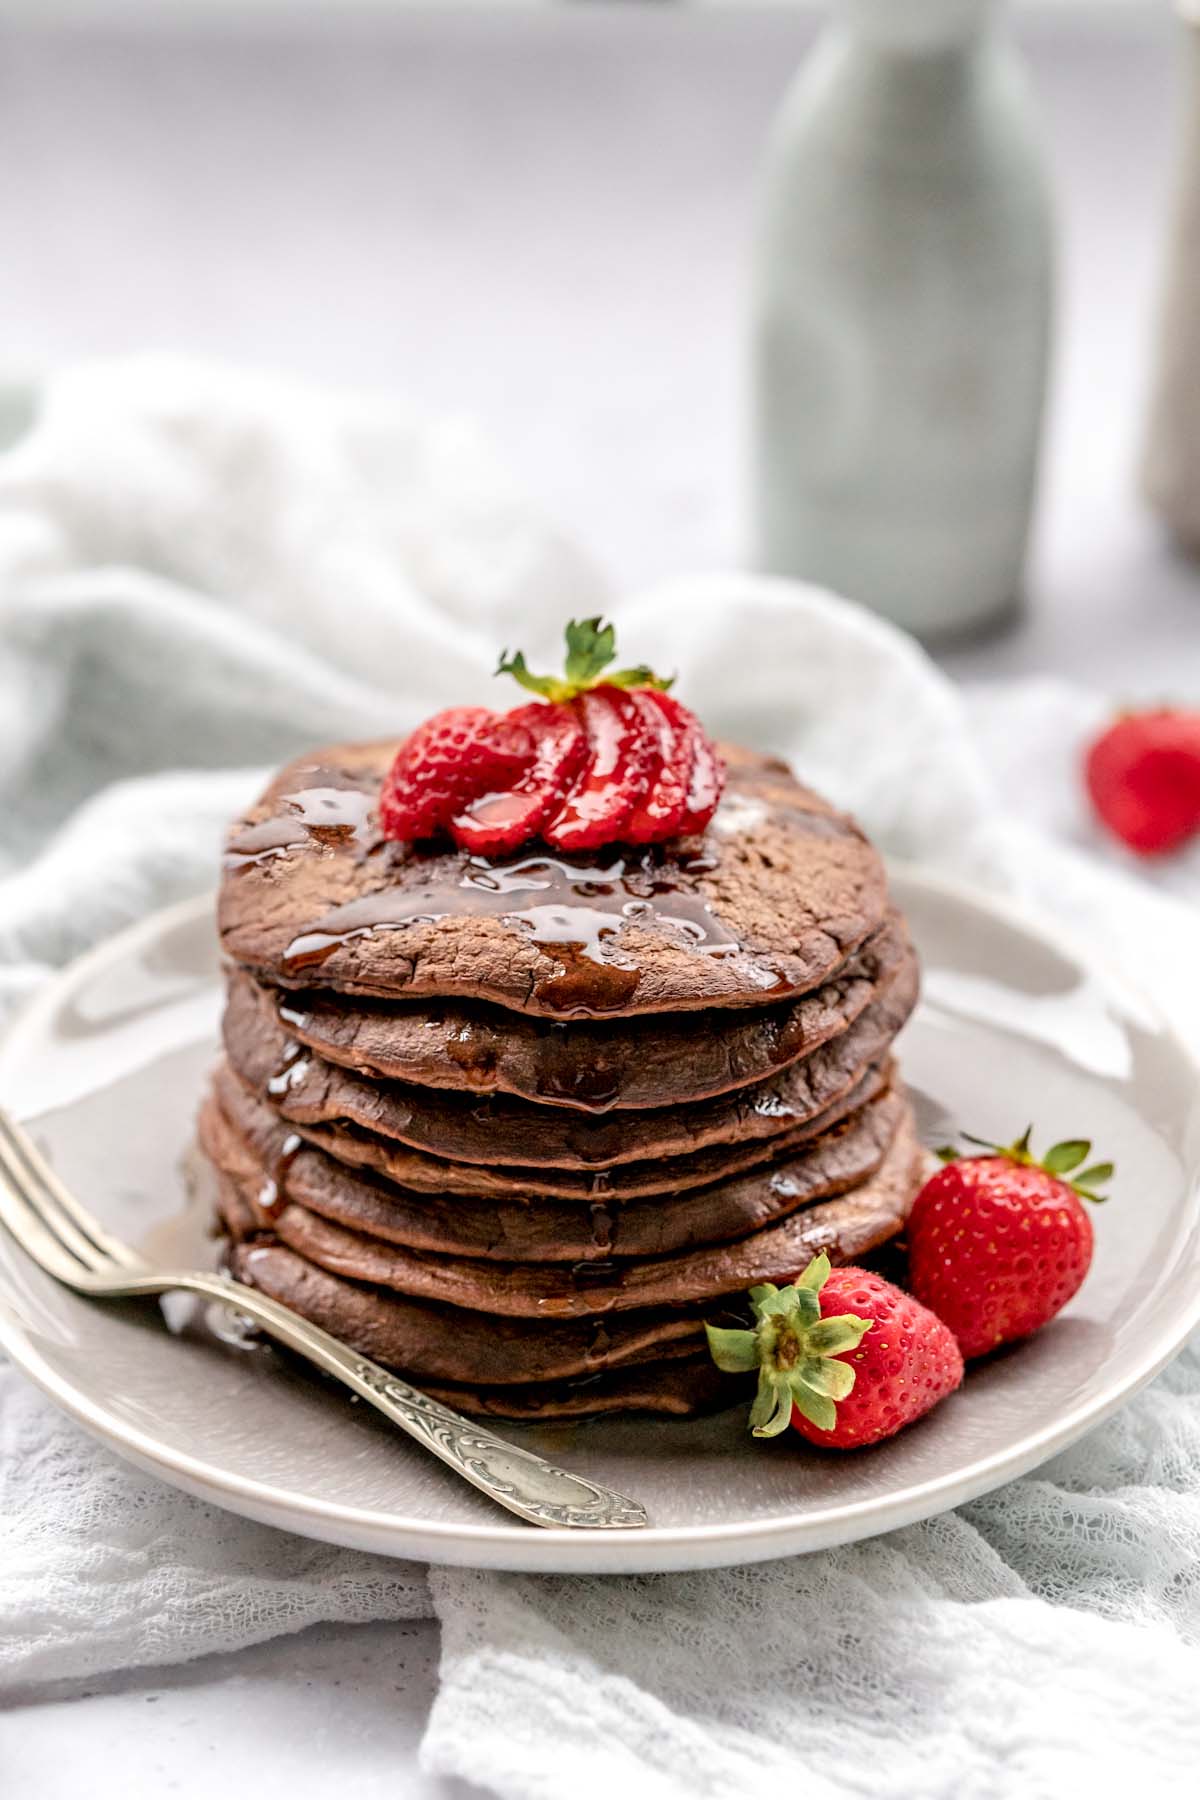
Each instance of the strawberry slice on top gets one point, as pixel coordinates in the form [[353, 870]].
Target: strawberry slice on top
[[604, 755], [621, 760], [706, 772], [660, 813], [505, 819], [463, 751]]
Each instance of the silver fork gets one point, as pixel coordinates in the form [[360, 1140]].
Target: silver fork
[[66, 1242]]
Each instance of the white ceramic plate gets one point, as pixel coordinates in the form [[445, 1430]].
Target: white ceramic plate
[[108, 1065]]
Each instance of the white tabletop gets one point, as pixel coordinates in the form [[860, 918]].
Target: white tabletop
[[542, 219]]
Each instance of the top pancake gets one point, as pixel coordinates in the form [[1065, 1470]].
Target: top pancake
[[771, 902], [584, 1065]]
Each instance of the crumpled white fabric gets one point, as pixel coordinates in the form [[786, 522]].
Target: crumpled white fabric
[[202, 572], [103, 1568]]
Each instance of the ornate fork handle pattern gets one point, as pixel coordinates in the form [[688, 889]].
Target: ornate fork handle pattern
[[526, 1484], [547, 1495]]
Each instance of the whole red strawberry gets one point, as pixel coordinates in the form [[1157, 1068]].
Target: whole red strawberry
[[604, 755], [841, 1354], [997, 1244], [1143, 775]]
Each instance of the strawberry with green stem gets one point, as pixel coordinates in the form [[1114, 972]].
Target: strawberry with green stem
[[591, 646], [999, 1242], [842, 1355]]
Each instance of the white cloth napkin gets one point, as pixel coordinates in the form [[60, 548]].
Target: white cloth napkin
[[201, 573]]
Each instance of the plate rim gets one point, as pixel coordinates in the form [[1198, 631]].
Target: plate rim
[[519, 1547]]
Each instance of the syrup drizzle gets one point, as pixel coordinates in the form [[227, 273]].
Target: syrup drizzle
[[563, 1075], [476, 1060], [292, 1070], [580, 909], [271, 1195], [331, 811], [770, 1105], [604, 1226]]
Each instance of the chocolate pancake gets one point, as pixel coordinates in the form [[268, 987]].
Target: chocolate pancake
[[854, 1222], [770, 903], [446, 1343], [373, 1324], [502, 1130], [590, 1065], [678, 1389], [426, 1174], [277, 1167]]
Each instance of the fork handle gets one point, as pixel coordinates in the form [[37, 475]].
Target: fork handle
[[514, 1478]]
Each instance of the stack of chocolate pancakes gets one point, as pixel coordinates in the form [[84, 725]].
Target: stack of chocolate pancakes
[[517, 1127]]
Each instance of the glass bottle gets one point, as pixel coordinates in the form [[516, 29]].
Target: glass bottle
[[902, 313]]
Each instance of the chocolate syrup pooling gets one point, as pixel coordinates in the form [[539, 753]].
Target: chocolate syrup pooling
[[579, 909], [329, 811]]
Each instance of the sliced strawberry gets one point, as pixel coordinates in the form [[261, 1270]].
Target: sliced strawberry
[[706, 771], [503, 820], [657, 816], [610, 756], [452, 757], [621, 756]]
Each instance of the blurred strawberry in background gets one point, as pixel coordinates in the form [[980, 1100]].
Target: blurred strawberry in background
[[1143, 777]]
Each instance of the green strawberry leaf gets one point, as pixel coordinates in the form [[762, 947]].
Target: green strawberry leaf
[[833, 1337], [1060, 1159], [795, 1351], [768, 1299], [641, 677], [808, 1306], [825, 1375], [591, 647], [760, 1293], [734, 1351], [816, 1274], [818, 1409], [788, 1308], [548, 686], [1093, 1177], [772, 1409]]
